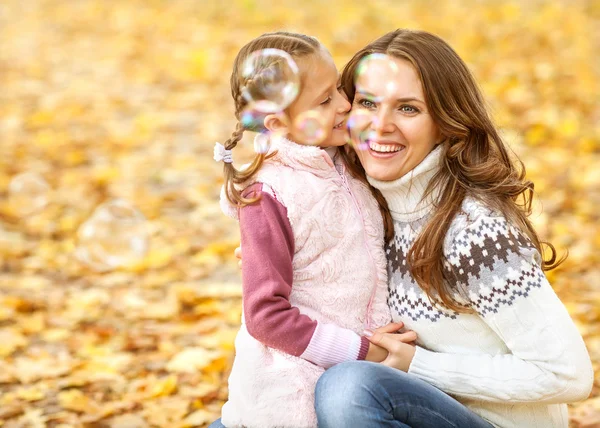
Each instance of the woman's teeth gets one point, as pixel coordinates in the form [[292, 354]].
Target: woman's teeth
[[339, 125], [384, 148]]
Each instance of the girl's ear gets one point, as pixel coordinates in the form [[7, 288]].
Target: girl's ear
[[277, 122]]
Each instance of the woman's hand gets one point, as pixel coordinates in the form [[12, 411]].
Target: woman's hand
[[378, 353], [400, 352], [238, 253]]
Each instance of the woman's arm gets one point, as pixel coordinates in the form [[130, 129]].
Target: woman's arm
[[267, 277], [548, 361]]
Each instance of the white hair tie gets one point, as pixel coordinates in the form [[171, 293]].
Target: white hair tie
[[222, 154]]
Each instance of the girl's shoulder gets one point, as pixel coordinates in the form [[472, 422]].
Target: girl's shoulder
[[250, 191]]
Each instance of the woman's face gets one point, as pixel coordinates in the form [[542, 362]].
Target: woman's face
[[403, 131]]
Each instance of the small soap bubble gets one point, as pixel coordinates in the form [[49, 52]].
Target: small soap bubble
[[115, 235], [311, 127], [28, 193], [253, 119], [273, 80], [361, 126], [262, 143]]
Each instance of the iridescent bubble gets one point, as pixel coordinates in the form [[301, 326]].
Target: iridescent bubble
[[262, 143], [311, 127], [253, 119], [272, 80], [376, 68], [115, 235], [28, 193], [361, 126]]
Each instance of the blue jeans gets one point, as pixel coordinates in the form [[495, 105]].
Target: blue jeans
[[365, 394], [217, 424]]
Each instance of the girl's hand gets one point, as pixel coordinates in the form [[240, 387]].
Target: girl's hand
[[378, 353], [400, 353], [238, 253]]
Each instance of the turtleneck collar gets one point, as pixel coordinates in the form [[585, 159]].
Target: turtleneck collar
[[405, 195]]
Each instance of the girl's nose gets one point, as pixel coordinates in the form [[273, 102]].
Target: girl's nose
[[343, 104]]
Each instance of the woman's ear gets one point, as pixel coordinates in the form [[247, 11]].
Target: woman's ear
[[277, 122]]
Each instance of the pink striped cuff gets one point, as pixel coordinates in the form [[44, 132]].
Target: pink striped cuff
[[331, 345]]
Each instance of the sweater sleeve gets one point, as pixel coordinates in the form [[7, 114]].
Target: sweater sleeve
[[267, 278], [547, 360]]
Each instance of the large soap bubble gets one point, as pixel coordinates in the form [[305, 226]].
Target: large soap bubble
[[272, 80], [115, 235]]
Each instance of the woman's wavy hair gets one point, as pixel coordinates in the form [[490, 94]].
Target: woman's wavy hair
[[476, 161], [297, 46]]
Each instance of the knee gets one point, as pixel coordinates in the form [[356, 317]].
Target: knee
[[341, 382]]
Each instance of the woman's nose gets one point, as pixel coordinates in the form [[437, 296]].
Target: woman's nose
[[383, 122]]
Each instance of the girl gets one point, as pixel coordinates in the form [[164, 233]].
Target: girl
[[314, 271], [496, 346]]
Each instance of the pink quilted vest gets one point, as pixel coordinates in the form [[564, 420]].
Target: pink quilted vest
[[340, 277]]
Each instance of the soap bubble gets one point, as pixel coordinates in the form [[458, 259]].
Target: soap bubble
[[311, 127], [376, 68], [28, 193], [273, 80], [115, 235], [252, 119], [262, 143], [361, 124]]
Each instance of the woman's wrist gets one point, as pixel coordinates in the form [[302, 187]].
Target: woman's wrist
[[376, 353]]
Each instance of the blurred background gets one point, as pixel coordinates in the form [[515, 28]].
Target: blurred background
[[119, 292]]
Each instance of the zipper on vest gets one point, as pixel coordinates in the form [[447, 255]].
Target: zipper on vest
[[366, 238]]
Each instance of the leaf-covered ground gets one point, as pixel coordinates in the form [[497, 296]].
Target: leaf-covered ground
[[109, 99]]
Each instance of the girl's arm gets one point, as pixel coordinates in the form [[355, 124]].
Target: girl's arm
[[267, 277], [548, 361]]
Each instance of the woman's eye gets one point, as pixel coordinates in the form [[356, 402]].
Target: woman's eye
[[327, 101], [366, 103], [408, 109]]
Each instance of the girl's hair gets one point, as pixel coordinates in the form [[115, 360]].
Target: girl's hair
[[297, 46], [476, 161]]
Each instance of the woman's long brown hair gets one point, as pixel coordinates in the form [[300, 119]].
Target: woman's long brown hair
[[476, 161]]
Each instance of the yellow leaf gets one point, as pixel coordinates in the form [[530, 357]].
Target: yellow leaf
[[198, 418], [162, 387], [75, 400], [190, 360], [30, 394]]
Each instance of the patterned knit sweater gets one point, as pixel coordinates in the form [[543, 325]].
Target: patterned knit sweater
[[519, 358]]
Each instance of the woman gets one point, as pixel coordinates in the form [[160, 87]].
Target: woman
[[495, 345]]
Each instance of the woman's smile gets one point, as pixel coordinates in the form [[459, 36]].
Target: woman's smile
[[385, 149]]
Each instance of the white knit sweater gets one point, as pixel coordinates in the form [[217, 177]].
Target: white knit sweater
[[519, 358]]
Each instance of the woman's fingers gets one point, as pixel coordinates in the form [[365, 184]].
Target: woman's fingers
[[390, 328], [390, 341], [407, 337]]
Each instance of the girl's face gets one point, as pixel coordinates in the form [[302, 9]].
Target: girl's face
[[404, 132], [320, 95]]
